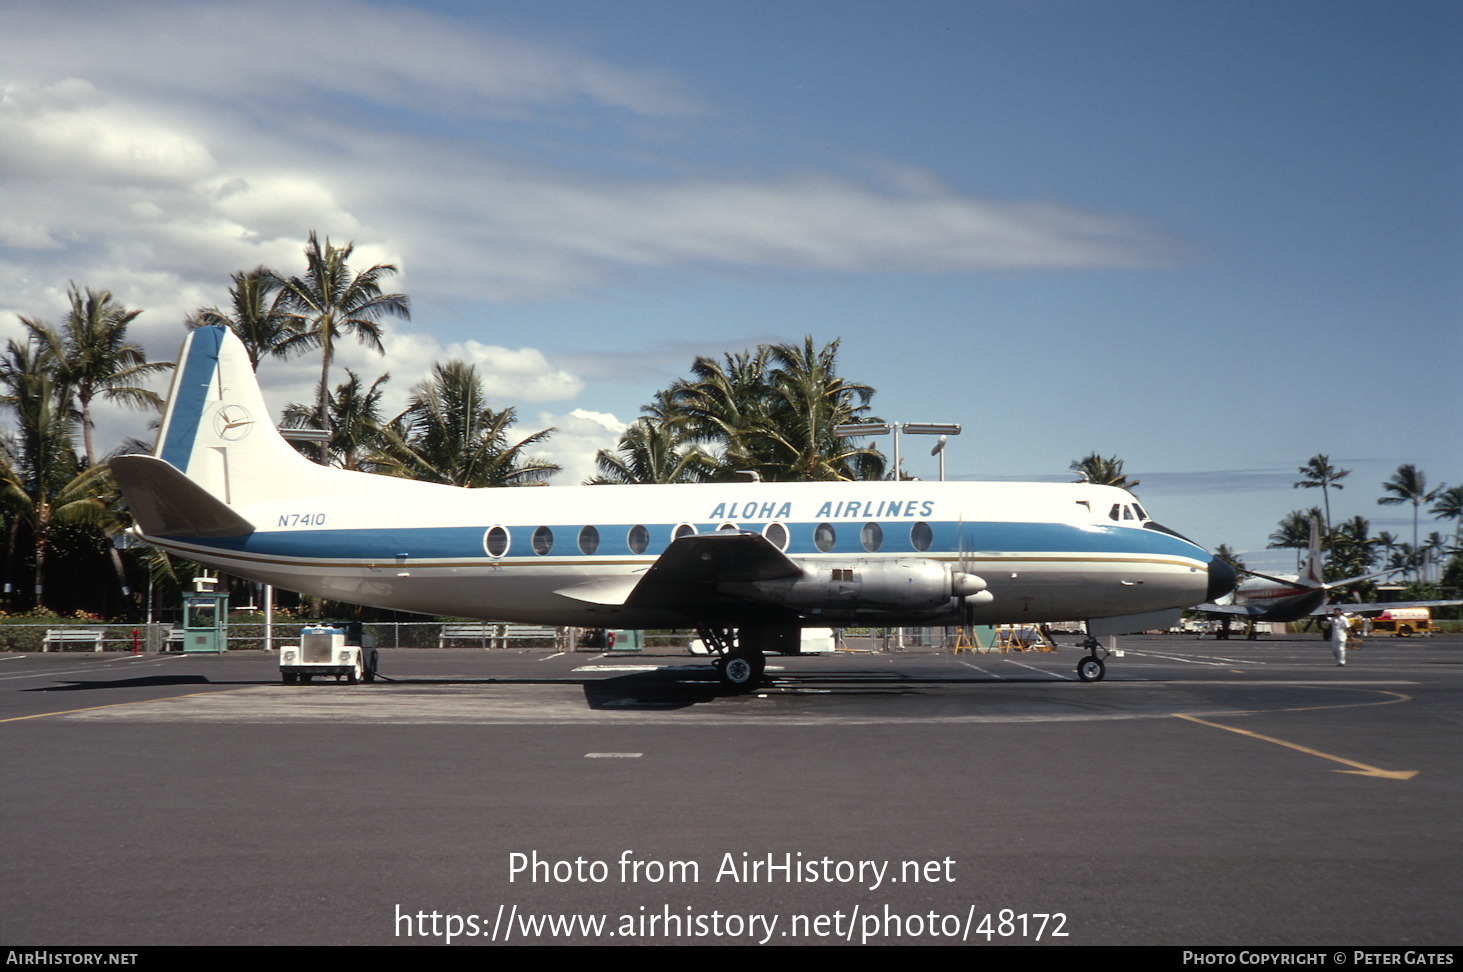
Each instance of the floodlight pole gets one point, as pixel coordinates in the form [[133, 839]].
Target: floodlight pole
[[942, 429]]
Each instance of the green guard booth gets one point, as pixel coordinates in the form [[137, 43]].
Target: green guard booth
[[206, 617]]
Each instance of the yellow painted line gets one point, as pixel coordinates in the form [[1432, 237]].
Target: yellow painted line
[[113, 705], [1362, 769]]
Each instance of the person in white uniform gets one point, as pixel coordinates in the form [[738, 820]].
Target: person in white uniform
[[1339, 629]]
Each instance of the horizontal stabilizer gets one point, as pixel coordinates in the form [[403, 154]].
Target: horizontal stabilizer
[[167, 503]]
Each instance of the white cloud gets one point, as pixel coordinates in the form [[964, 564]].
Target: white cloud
[[292, 54], [146, 149], [580, 436], [152, 149]]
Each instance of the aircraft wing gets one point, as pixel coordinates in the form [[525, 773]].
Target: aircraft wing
[[684, 579], [1239, 610]]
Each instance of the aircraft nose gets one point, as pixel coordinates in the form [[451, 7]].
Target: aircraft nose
[[1222, 579]]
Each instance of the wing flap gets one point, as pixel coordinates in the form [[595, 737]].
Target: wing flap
[[611, 590]]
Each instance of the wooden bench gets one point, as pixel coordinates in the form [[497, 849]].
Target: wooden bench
[[496, 634], [61, 637]]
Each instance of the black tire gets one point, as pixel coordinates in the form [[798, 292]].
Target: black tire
[[741, 671], [1091, 669], [289, 678]]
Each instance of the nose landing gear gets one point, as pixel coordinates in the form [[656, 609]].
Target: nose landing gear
[[1091, 668]]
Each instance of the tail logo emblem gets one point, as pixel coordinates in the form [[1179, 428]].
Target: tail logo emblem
[[232, 422]]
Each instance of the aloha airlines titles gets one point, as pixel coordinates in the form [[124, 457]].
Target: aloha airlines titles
[[884, 509]]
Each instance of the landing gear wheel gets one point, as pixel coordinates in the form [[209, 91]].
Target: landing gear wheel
[[1091, 669], [740, 672], [289, 678]]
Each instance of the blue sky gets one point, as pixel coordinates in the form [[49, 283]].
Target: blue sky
[[1213, 239]]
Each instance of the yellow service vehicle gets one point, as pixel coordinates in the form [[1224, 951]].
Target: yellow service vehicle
[[1402, 622]]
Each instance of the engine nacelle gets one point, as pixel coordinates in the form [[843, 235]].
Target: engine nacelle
[[889, 585]]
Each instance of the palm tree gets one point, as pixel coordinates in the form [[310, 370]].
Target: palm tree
[[91, 355], [42, 483], [1432, 553], [1294, 532], [773, 412], [722, 407], [1408, 485], [355, 421], [649, 452], [330, 301], [1103, 472], [1449, 506], [1320, 473], [448, 434], [259, 318], [808, 402], [1353, 551], [1388, 542]]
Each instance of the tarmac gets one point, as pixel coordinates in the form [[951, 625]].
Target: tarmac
[[1205, 793]]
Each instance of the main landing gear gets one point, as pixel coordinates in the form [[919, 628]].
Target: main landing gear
[[1091, 668], [739, 669]]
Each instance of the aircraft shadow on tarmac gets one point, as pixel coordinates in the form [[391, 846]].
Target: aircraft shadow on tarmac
[[144, 682], [677, 687]]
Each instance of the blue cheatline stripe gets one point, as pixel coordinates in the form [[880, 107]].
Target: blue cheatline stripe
[[467, 541], [186, 411]]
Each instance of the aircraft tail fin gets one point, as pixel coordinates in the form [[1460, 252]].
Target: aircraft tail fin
[[1312, 575], [217, 432]]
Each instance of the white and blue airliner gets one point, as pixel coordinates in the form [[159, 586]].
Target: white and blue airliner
[[747, 564]]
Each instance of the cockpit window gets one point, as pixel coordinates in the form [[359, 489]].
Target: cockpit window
[[1139, 510], [1113, 514], [1127, 513]]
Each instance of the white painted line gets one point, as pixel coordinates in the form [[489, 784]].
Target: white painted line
[[613, 755], [1041, 670], [979, 669], [658, 668], [1193, 661], [617, 668]]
